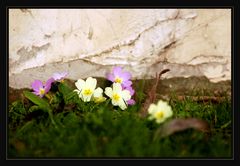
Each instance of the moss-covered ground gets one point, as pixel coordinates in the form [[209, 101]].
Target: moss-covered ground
[[75, 129]]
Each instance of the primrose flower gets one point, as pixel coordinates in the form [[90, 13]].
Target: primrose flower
[[59, 76], [118, 95], [99, 99], [131, 102], [131, 90], [118, 76], [40, 88], [160, 112], [86, 89]]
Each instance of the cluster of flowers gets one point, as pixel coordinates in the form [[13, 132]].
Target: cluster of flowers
[[120, 92], [40, 88]]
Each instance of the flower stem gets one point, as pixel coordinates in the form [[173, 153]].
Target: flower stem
[[51, 117]]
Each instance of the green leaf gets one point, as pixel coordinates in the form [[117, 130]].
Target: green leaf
[[33, 108], [64, 89], [70, 95], [41, 103], [18, 107], [67, 92], [37, 100]]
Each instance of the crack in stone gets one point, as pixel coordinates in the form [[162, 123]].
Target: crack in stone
[[26, 55], [128, 43], [206, 56], [133, 41]]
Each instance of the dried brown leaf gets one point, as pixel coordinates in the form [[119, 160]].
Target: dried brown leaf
[[177, 125]]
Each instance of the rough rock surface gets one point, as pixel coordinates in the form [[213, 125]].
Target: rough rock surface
[[88, 42]]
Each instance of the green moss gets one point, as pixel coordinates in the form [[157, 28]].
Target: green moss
[[90, 130]]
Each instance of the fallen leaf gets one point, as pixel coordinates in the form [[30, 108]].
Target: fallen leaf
[[177, 125]]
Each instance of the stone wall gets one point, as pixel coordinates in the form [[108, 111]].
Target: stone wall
[[88, 42]]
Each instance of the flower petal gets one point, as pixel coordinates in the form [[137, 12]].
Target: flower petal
[[117, 87], [59, 76], [36, 85], [161, 103], [131, 102], [160, 120], [64, 74], [56, 76], [117, 70], [48, 84], [80, 84], [36, 93], [108, 92], [126, 95], [152, 108], [115, 103], [126, 76], [110, 77], [81, 96], [99, 99], [122, 104], [168, 111], [86, 98], [78, 91], [126, 83], [131, 90], [91, 83], [98, 92]]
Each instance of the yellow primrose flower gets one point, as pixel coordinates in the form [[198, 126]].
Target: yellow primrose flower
[[99, 99], [119, 97], [160, 112], [86, 89]]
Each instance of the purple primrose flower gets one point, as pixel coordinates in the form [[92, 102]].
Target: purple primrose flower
[[41, 89], [131, 102], [118, 76], [131, 90], [59, 76]]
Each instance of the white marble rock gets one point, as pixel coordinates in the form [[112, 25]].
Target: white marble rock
[[88, 42]]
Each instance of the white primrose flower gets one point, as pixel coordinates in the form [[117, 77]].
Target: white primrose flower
[[160, 112], [118, 95], [86, 89]]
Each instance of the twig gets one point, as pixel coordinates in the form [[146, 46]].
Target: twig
[[151, 96]]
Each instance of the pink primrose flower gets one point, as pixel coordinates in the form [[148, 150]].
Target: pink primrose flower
[[40, 88], [118, 76]]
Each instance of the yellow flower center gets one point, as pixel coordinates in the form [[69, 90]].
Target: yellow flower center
[[42, 91], [118, 80], [87, 92], [159, 115], [116, 97]]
